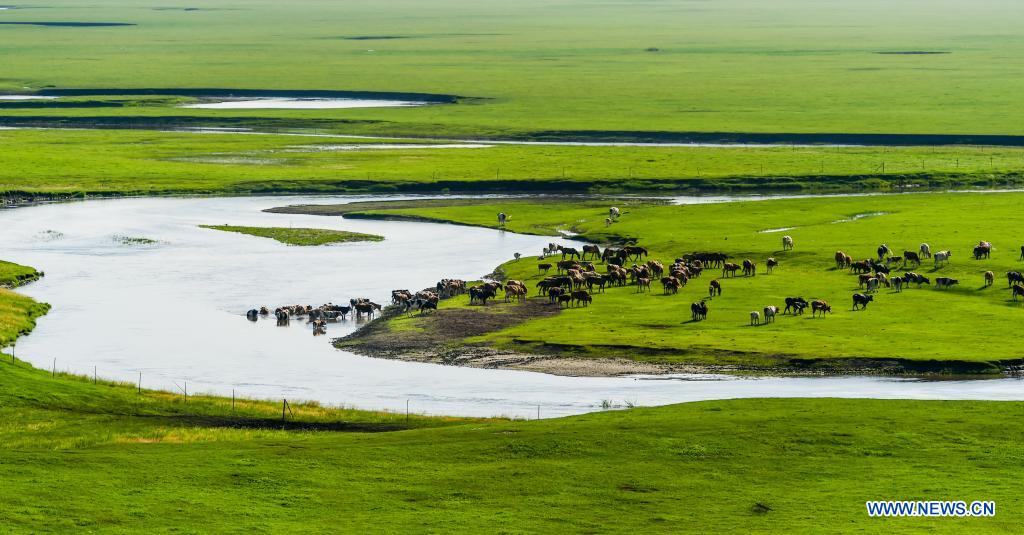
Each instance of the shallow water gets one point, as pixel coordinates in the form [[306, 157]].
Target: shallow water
[[174, 311], [303, 104]]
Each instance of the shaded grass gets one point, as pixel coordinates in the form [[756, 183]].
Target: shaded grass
[[299, 236]]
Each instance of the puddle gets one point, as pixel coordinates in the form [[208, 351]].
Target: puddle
[[856, 217], [266, 103]]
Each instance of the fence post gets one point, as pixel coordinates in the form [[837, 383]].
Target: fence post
[[140, 382], [94, 375], [53, 373], [284, 405], [406, 411], [232, 400]]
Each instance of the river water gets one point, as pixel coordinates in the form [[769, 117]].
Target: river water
[[174, 312]]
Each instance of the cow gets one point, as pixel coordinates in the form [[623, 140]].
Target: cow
[[1021, 253], [543, 268], [729, 269], [252, 315], [755, 317], [582, 296], [1017, 290], [863, 279], [564, 299], [796, 304], [911, 257], [862, 266], [942, 257], [715, 288], [698, 311], [983, 250], [1012, 277], [749, 268], [770, 264], [570, 251], [926, 251], [643, 283], [872, 285], [591, 250], [787, 243], [897, 284], [670, 285], [820, 305], [842, 260], [883, 251], [613, 213], [990, 278], [555, 293], [502, 218], [769, 313], [945, 282], [861, 300]]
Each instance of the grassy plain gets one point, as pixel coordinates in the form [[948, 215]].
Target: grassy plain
[[676, 65], [908, 329], [73, 162], [299, 236]]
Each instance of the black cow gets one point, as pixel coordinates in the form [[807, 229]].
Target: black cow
[[862, 300]]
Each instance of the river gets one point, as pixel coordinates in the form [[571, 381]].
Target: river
[[174, 312]]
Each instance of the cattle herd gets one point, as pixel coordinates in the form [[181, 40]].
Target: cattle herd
[[577, 281]]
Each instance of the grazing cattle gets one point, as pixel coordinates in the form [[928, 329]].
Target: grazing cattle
[[1021, 253], [642, 284], [729, 269], [861, 300], [480, 294], [607, 221], [749, 268], [570, 251], [883, 280], [591, 250], [883, 251], [945, 282], [502, 218], [842, 260], [787, 243], [769, 313], [910, 257], [543, 267], [634, 251], [755, 317], [862, 266], [715, 288], [264, 311], [657, 268], [796, 305], [1012, 277], [982, 250], [942, 257], [926, 251], [1017, 290], [671, 285], [582, 296], [252, 315], [893, 260], [564, 300], [699, 311], [872, 284], [990, 278], [897, 284], [863, 279], [555, 293], [613, 213], [819, 305]]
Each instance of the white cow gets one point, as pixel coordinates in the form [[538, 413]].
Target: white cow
[[872, 284], [942, 257], [926, 251], [787, 243], [755, 318], [769, 313]]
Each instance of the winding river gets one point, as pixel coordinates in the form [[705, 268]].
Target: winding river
[[174, 312]]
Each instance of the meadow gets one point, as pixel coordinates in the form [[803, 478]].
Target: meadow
[[550, 68], [298, 236], [108, 458], [80, 162], [898, 331]]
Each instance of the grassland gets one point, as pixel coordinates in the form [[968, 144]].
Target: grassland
[[12, 275], [299, 236], [899, 331], [72, 162], [574, 66]]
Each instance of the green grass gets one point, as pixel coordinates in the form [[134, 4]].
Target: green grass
[[299, 236], [105, 457], [12, 274], [69, 162], [732, 65], [962, 329]]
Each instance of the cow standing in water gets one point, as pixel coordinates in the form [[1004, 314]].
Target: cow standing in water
[[502, 218]]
